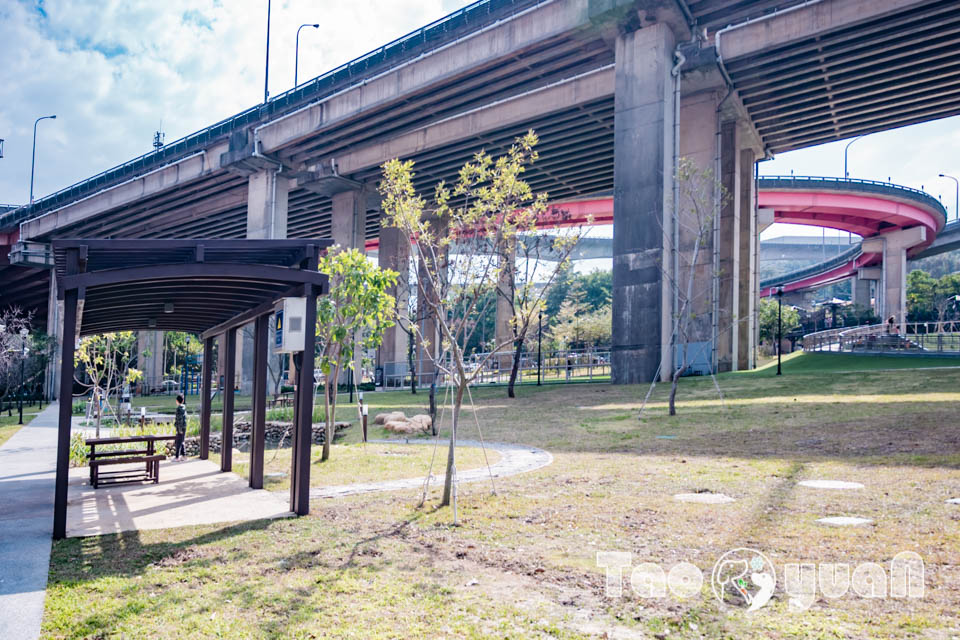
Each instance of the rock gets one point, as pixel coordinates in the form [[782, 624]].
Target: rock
[[423, 420], [392, 416], [402, 426]]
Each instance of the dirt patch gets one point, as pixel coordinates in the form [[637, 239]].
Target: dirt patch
[[181, 556]]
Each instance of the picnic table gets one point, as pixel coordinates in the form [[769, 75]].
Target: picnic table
[[283, 400], [146, 454]]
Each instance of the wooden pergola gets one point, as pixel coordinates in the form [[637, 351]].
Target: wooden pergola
[[209, 287]]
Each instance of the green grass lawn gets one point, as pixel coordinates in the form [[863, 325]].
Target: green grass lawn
[[522, 563], [9, 424], [800, 362]]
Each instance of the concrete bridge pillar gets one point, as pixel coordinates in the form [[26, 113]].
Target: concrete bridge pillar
[[893, 285], [864, 284], [267, 206], [267, 192], [728, 250], [348, 229], [749, 284], [394, 253], [642, 187], [150, 358]]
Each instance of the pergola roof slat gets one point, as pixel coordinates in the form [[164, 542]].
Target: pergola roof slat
[[183, 284]]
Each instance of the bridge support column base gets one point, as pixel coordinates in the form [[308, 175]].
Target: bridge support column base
[[394, 253], [642, 188]]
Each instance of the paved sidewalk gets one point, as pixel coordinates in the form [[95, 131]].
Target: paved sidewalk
[[514, 459], [28, 463]]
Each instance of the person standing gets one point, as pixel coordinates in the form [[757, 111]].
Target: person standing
[[180, 426]]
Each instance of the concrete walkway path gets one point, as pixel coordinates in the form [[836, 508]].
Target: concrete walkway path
[[514, 459], [28, 464], [189, 493]]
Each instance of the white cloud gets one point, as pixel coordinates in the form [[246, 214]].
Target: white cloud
[[112, 71]]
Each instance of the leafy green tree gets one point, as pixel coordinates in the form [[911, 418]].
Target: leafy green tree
[[105, 360], [768, 319], [358, 304], [930, 299], [596, 288], [921, 296], [179, 345]]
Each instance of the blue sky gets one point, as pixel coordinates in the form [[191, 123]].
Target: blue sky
[[112, 71]]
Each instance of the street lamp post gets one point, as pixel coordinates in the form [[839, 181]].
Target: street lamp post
[[33, 157], [956, 201], [296, 52], [779, 326], [846, 174], [23, 356]]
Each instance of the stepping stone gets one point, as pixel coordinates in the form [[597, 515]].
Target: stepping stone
[[278, 474], [666, 437], [844, 521], [953, 501], [704, 498], [830, 484]]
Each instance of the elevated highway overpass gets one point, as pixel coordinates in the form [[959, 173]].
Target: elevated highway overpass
[[617, 90], [897, 223]]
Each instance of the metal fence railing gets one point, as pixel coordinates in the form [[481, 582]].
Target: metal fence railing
[[572, 365], [918, 338]]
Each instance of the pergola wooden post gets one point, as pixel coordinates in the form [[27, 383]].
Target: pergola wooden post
[[206, 385], [303, 418], [209, 287], [259, 413], [229, 344], [67, 347]]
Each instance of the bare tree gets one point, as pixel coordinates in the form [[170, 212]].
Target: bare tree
[[489, 203], [698, 197]]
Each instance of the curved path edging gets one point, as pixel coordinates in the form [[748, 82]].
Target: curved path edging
[[514, 459]]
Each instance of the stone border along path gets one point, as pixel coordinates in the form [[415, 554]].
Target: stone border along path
[[514, 459]]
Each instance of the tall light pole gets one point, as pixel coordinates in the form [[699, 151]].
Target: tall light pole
[[957, 197], [296, 52], [846, 174], [779, 326], [33, 157], [266, 66], [23, 356]]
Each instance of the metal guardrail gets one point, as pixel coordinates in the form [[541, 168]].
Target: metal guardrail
[[472, 17], [821, 267], [580, 365], [919, 338]]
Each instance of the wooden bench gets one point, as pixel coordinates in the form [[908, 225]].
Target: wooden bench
[[147, 456], [150, 472]]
